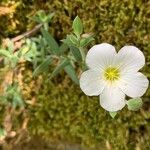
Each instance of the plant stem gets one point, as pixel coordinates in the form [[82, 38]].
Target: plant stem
[[82, 53]]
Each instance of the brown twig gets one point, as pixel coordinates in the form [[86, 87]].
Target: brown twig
[[18, 39], [27, 34]]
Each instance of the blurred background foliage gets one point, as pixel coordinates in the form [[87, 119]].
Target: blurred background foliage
[[61, 110]]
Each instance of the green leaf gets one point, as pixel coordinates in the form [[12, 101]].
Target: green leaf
[[24, 50], [11, 88], [40, 17], [76, 53], [37, 19], [17, 100], [30, 52], [63, 63], [3, 99], [67, 41], [41, 14], [113, 114], [14, 60], [2, 132], [49, 17], [51, 42], [43, 66], [5, 53], [10, 46], [63, 48], [84, 42], [77, 26], [73, 39], [134, 104], [71, 72]]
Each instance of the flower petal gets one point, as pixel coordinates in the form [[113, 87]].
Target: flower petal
[[134, 84], [100, 56], [130, 59], [112, 98], [91, 82]]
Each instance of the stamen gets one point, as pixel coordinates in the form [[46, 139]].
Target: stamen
[[111, 74]]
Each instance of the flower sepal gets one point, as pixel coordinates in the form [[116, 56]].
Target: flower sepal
[[134, 104], [113, 114]]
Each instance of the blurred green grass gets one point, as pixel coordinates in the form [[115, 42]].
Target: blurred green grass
[[63, 111]]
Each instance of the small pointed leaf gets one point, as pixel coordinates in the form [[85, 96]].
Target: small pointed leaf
[[63, 63], [17, 101], [76, 53], [10, 46], [63, 48], [71, 72], [5, 53], [3, 132], [14, 61], [43, 67], [113, 114], [77, 26], [67, 41], [51, 42], [134, 104], [50, 16], [84, 42], [73, 39]]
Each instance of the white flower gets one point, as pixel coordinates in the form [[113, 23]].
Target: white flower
[[112, 75]]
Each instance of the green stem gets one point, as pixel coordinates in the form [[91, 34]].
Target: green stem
[[83, 58], [82, 53]]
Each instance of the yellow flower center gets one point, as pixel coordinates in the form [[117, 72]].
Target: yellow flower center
[[111, 74]]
